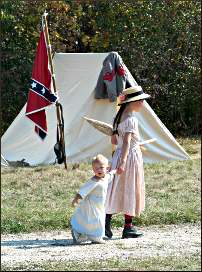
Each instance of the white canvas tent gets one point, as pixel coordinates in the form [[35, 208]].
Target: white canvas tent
[[76, 78]]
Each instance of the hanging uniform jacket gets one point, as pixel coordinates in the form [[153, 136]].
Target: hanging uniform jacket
[[112, 79]]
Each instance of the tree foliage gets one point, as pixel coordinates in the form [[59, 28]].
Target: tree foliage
[[159, 42]]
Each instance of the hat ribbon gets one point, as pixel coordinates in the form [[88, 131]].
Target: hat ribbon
[[134, 94]]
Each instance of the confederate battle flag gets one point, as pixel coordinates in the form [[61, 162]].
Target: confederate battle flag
[[40, 95]]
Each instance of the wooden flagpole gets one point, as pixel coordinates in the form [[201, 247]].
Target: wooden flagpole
[[58, 111]]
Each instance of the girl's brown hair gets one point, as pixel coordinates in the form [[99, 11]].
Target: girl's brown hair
[[117, 118]]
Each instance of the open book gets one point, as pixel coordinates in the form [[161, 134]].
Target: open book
[[107, 129], [147, 141], [99, 125]]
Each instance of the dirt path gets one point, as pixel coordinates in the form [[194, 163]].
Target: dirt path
[[58, 245]]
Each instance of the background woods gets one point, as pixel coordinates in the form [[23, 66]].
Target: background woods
[[159, 42]]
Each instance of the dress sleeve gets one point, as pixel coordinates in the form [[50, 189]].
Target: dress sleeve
[[87, 188], [131, 125]]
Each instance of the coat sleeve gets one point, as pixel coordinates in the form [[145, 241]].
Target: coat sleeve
[[121, 74], [109, 77]]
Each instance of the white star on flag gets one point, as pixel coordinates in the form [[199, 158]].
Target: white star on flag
[[43, 91], [33, 85]]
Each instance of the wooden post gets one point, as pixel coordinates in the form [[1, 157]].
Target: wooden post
[[58, 111]]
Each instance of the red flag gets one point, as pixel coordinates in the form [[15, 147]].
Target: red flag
[[40, 95]]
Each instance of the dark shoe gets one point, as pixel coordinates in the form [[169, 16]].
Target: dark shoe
[[131, 232], [108, 232]]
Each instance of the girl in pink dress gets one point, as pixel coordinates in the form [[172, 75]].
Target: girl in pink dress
[[126, 193]]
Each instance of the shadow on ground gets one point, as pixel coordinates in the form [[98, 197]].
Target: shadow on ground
[[37, 243]]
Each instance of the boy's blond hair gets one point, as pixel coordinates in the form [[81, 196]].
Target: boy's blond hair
[[100, 159]]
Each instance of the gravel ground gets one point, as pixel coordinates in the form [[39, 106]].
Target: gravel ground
[[170, 240]]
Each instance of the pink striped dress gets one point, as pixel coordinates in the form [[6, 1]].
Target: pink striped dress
[[126, 194]]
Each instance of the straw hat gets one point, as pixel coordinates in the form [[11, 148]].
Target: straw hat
[[134, 93], [101, 126]]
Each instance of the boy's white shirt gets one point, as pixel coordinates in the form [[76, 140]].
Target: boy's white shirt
[[112, 172], [92, 207]]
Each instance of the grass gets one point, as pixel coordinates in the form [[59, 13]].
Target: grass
[[171, 263], [39, 198]]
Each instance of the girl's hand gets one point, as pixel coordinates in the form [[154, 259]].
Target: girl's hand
[[121, 168], [114, 139]]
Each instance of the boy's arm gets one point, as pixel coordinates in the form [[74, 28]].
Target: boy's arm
[[113, 172], [76, 199]]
